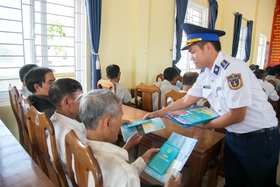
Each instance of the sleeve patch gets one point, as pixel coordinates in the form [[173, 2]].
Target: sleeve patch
[[234, 81]]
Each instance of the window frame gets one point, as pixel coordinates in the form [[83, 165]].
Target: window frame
[[241, 44], [27, 8], [185, 64], [261, 51]]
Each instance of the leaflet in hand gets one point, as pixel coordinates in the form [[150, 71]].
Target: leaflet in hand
[[192, 116], [171, 158], [141, 127], [162, 159]]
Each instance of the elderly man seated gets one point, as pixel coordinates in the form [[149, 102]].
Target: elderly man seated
[[101, 112]]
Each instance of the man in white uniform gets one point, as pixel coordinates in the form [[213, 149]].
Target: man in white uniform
[[252, 139]]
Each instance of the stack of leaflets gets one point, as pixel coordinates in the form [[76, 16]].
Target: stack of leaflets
[[193, 115], [171, 158], [141, 127]]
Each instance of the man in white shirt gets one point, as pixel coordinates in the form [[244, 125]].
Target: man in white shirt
[[170, 76], [271, 75], [114, 74], [65, 94], [22, 73], [101, 112], [268, 88]]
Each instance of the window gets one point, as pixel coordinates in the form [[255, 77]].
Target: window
[[241, 45], [261, 51], [49, 33], [196, 14]]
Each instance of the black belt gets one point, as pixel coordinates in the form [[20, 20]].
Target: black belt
[[255, 132]]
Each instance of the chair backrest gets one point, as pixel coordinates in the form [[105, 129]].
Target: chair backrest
[[39, 128], [273, 83], [174, 96], [106, 84], [159, 77], [180, 78], [14, 101], [84, 161], [147, 96]]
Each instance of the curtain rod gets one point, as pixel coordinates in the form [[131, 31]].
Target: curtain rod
[[234, 13]]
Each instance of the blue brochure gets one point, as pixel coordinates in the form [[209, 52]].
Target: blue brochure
[[141, 127], [191, 116], [139, 122], [185, 146], [162, 159]]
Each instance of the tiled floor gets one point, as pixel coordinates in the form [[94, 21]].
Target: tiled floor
[[185, 171]]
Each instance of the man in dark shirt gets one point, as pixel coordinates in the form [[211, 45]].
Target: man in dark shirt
[[38, 81]]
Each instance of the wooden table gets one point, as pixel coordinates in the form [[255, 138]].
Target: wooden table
[[16, 166], [205, 156]]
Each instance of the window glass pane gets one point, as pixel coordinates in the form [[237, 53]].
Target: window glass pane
[[11, 50], [62, 2], [60, 10], [63, 72], [8, 13], [27, 19], [11, 73], [11, 26], [4, 84], [10, 3], [10, 38], [11, 62], [61, 61], [29, 52]]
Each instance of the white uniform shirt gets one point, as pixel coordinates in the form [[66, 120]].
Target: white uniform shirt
[[123, 93], [214, 86], [164, 87], [113, 163], [277, 81], [269, 90], [62, 125]]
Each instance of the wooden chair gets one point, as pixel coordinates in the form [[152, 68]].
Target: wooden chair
[[159, 77], [174, 96], [180, 78], [39, 128], [147, 96], [273, 83], [106, 84], [14, 101], [84, 161]]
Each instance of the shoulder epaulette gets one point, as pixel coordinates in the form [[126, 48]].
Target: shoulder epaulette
[[225, 64]]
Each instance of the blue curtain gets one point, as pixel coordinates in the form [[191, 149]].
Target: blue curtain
[[236, 33], [94, 23], [213, 13], [248, 40], [181, 7]]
